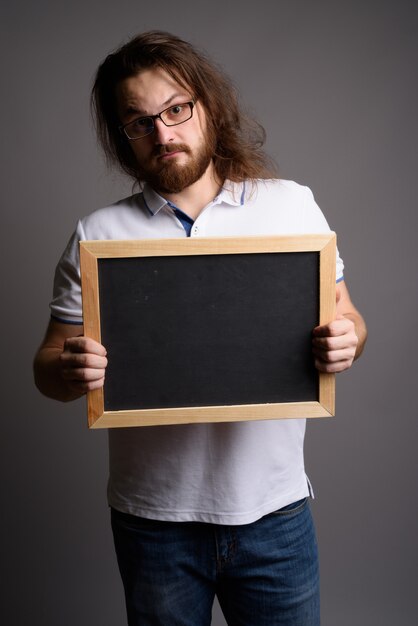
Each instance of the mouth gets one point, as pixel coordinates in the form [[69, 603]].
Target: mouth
[[170, 155], [170, 151]]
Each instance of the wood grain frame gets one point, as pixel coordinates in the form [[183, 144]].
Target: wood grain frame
[[92, 251]]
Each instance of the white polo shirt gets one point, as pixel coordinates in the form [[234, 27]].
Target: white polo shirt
[[225, 473]]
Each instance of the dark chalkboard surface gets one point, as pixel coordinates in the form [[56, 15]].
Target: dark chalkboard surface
[[214, 334]]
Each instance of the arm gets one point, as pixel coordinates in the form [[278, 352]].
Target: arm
[[67, 365], [337, 344]]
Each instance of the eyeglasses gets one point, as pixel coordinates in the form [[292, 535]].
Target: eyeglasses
[[172, 116]]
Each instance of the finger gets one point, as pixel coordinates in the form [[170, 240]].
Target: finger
[[340, 326], [335, 343], [84, 344], [85, 386], [334, 356], [83, 374], [337, 294], [333, 368], [79, 360]]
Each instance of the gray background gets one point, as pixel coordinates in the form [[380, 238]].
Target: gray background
[[334, 83]]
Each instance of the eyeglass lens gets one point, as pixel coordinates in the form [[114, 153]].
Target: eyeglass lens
[[172, 116]]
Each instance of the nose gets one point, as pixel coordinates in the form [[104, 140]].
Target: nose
[[162, 133]]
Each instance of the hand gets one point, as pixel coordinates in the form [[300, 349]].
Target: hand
[[335, 345], [82, 364]]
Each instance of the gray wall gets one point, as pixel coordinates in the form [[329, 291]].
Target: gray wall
[[335, 85]]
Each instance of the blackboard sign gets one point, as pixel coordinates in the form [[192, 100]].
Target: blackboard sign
[[208, 329]]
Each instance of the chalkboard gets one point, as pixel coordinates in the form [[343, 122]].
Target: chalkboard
[[208, 329]]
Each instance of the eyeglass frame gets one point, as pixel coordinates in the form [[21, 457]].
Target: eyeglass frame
[[122, 128]]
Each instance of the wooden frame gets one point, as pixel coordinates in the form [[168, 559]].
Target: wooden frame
[[92, 251]]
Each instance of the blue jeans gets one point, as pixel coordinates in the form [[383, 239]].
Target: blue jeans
[[264, 573]]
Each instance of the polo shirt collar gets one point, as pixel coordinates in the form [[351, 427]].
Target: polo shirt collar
[[153, 201], [231, 193]]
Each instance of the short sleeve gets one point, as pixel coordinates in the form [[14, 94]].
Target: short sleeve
[[66, 303], [314, 216]]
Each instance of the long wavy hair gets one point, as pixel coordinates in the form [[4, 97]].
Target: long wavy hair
[[239, 139]]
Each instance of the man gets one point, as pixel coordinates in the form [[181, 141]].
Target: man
[[199, 509]]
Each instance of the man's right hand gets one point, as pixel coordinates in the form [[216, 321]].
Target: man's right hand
[[83, 364], [67, 364]]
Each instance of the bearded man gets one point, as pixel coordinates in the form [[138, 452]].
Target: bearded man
[[197, 510]]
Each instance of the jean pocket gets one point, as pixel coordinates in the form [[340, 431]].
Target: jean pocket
[[291, 509]]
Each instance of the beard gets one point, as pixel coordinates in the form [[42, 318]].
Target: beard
[[167, 176]]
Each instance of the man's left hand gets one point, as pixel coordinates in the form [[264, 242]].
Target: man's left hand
[[335, 345]]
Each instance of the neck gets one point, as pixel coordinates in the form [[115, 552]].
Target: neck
[[193, 199]]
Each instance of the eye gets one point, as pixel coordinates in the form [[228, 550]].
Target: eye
[[141, 122], [175, 113]]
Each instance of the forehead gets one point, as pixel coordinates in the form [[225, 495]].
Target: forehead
[[148, 92]]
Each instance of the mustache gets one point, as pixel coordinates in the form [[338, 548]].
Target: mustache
[[163, 149]]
